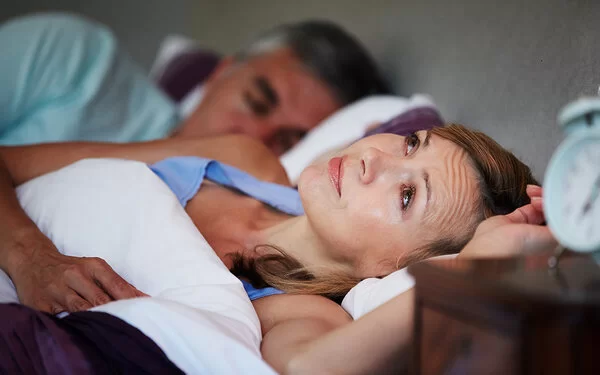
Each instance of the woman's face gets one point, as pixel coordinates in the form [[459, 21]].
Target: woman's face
[[386, 195]]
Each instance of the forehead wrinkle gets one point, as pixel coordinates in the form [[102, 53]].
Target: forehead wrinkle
[[454, 199]]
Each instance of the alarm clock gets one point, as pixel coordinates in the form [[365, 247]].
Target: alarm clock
[[572, 180]]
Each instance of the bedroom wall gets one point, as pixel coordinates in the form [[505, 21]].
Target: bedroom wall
[[140, 25], [505, 67]]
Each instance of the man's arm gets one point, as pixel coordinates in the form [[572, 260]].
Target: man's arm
[[16, 228], [44, 278], [52, 282], [27, 162]]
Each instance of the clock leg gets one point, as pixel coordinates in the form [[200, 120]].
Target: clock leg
[[553, 260]]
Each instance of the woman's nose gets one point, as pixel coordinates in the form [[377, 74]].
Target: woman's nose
[[372, 162]]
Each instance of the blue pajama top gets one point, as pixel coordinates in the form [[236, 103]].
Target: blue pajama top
[[184, 176]]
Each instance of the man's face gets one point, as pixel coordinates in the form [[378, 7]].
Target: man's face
[[270, 97]]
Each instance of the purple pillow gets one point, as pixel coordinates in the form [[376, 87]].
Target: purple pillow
[[186, 71], [420, 118]]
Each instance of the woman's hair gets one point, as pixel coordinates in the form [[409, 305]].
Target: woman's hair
[[502, 182]]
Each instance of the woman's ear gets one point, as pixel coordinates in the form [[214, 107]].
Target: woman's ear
[[222, 67]]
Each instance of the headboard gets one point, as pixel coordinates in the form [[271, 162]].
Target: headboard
[[505, 67]]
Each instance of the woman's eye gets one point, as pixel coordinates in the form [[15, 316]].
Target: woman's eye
[[412, 143], [406, 197]]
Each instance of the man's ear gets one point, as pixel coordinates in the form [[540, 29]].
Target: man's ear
[[222, 67]]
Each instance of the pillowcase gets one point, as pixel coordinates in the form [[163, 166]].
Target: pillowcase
[[353, 121], [374, 292], [182, 66]]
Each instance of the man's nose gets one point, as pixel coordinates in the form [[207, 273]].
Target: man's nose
[[258, 130]]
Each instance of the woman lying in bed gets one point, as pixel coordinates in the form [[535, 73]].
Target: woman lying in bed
[[380, 204]]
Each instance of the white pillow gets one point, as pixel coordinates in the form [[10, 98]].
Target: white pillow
[[346, 126], [373, 292], [122, 212], [171, 47]]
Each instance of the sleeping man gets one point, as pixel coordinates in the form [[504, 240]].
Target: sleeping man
[[67, 79]]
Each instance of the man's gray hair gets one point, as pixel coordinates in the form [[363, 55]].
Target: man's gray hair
[[329, 52]]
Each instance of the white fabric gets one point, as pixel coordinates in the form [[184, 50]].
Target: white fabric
[[171, 47], [7, 289], [346, 126], [199, 313], [197, 340], [373, 292], [189, 103]]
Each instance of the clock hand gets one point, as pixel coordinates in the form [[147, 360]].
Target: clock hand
[[592, 198]]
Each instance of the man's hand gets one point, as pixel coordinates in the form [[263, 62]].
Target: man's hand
[[52, 282], [519, 232]]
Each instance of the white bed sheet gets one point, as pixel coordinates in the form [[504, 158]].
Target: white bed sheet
[[199, 313]]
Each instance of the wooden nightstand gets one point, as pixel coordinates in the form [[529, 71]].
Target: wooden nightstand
[[507, 316]]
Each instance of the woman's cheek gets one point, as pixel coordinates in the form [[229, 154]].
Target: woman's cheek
[[372, 209], [369, 218]]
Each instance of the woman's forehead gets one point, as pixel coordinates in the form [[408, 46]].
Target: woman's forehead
[[454, 183]]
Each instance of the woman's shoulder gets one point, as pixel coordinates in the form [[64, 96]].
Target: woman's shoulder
[[279, 308]]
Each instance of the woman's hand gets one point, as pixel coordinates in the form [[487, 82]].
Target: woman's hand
[[519, 232], [52, 282]]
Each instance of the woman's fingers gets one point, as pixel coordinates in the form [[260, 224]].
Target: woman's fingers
[[538, 238], [534, 191], [538, 203], [528, 214]]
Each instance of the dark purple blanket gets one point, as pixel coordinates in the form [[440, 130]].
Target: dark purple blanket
[[420, 118], [32, 342]]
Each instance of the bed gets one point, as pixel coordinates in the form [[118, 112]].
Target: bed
[[503, 69]]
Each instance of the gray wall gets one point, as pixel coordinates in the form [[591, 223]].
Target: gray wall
[[505, 67], [139, 24]]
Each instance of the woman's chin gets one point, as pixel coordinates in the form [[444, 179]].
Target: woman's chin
[[311, 186]]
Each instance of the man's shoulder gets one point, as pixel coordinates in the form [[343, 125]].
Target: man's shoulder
[[255, 158]]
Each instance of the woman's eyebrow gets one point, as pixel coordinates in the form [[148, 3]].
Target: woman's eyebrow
[[267, 90], [427, 187], [427, 137]]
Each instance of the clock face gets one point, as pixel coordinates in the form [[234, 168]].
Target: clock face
[[572, 193]]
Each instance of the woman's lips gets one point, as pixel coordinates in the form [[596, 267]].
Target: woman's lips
[[336, 172]]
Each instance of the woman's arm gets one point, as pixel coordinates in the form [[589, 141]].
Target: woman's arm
[[317, 336], [302, 336], [52, 282]]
